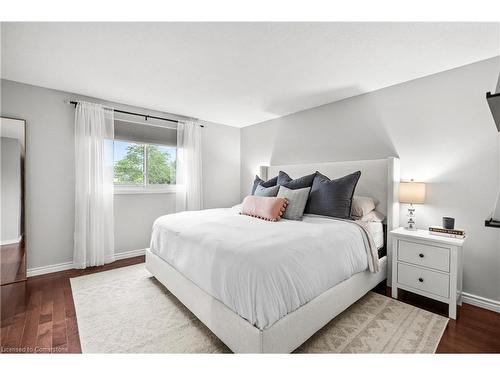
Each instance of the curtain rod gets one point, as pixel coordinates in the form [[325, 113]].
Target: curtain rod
[[146, 117]]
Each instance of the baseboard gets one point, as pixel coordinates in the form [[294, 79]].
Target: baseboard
[[485, 303], [36, 271], [11, 241], [129, 254]]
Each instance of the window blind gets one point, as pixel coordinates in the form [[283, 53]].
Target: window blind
[[135, 132]]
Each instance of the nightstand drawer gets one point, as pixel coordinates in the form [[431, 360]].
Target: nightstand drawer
[[424, 255], [426, 280]]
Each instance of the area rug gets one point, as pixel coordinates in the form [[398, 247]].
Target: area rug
[[126, 310]]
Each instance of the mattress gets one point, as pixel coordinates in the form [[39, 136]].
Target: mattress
[[261, 270], [376, 230]]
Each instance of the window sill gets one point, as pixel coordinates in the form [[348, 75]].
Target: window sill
[[168, 190]]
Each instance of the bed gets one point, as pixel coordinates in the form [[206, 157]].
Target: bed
[[265, 287]]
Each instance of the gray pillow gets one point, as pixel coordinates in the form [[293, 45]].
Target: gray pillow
[[297, 200], [259, 181], [299, 183], [261, 191], [332, 197]]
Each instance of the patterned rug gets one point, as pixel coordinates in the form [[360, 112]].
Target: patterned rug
[[126, 310]]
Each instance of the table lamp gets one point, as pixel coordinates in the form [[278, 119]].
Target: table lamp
[[412, 193]]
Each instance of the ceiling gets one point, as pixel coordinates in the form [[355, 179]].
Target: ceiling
[[236, 73]]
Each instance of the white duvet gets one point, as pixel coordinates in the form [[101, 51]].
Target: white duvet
[[261, 270]]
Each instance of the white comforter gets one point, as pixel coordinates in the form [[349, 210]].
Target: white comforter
[[261, 270]]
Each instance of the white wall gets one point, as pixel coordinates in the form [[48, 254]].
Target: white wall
[[441, 128], [10, 199], [50, 175]]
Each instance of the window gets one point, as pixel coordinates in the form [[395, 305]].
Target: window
[[142, 167]]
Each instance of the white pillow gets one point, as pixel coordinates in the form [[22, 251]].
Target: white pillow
[[362, 205], [373, 216]]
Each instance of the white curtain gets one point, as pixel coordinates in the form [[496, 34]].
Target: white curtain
[[189, 195], [94, 237]]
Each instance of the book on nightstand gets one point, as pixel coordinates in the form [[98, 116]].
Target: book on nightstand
[[452, 233]]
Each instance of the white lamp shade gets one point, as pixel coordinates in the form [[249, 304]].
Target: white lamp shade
[[411, 192]]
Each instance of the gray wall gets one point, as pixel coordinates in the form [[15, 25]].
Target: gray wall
[[50, 175], [10, 199], [135, 213], [441, 128]]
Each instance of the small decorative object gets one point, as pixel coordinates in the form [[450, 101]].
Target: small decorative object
[[452, 233], [412, 193], [448, 222]]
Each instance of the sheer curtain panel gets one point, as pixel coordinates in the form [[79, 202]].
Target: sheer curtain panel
[[94, 227], [189, 195]]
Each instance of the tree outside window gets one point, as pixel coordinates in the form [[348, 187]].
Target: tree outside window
[[137, 164]]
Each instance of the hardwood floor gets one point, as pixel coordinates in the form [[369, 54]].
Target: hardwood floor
[[45, 321], [12, 263], [475, 330]]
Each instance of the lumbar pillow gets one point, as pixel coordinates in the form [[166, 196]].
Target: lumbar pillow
[[297, 200], [259, 181], [362, 206], [332, 197], [262, 191], [266, 208], [299, 183]]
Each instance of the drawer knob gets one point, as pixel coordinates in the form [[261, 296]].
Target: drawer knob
[[421, 255], [421, 279]]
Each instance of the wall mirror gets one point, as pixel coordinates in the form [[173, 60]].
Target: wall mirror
[[12, 220]]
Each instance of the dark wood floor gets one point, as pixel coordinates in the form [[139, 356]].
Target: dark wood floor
[[475, 330], [44, 321], [12, 263]]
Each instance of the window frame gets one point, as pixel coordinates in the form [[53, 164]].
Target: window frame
[[145, 188]]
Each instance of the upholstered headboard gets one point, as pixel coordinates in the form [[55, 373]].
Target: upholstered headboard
[[379, 179]]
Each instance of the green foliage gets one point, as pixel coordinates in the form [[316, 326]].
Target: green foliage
[[129, 170], [161, 170]]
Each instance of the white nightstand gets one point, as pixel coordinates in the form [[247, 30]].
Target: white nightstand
[[428, 265]]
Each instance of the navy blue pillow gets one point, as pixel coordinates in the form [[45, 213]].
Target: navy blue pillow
[[272, 182], [299, 183], [332, 197]]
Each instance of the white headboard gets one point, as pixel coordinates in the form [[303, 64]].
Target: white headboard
[[379, 179]]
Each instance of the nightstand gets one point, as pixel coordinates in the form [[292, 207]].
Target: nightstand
[[429, 265]]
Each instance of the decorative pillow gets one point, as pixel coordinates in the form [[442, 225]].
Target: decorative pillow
[[332, 197], [373, 216], [362, 205], [259, 181], [299, 183], [266, 208], [297, 200], [262, 191]]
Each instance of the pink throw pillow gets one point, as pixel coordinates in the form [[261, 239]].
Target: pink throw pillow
[[266, 208]]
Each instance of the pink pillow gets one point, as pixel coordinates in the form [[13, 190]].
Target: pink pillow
[[266, 208]]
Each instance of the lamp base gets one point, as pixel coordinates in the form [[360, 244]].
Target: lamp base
[[410, 225], [411, 228]]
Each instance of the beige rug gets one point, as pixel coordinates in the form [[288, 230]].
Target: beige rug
[[127, 311]]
